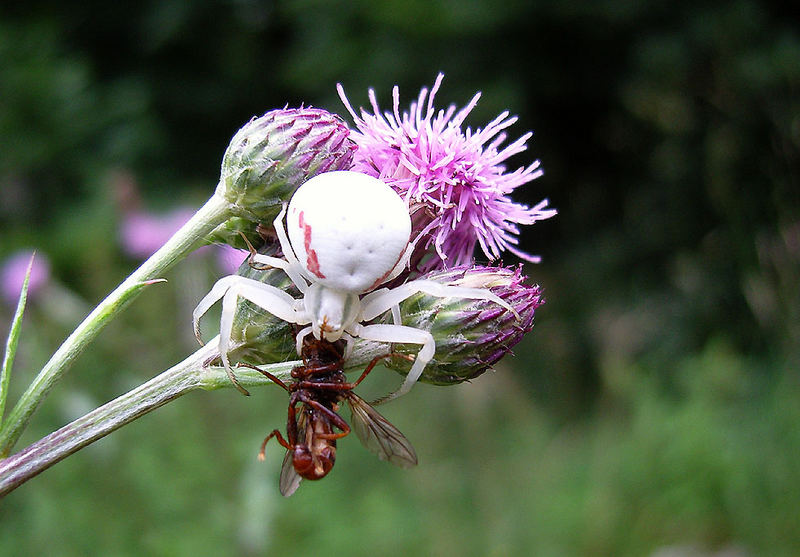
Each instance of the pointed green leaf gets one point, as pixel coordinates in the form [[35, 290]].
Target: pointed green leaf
[[13, 340]]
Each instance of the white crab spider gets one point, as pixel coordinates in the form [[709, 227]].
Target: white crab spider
[[348, 233]]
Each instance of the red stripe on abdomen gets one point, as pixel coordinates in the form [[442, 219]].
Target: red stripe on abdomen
[[312, 262]]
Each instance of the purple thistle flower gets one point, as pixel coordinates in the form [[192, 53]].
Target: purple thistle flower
[[457, 175]]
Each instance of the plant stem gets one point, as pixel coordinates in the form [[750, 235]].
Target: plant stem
[[213, 213], [190, 374]]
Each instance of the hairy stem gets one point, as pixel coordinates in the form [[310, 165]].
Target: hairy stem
[[193, 373], [213, 213], [190, 374]]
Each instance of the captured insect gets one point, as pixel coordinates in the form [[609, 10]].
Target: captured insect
[[346, 234], [311, 427]]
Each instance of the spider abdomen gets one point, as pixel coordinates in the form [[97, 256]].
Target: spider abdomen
[[348, 230]]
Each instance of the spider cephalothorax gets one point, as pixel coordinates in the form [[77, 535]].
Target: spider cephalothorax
[[346, 234]]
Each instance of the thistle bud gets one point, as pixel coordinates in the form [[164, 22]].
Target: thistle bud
[[258, 337], [238, 232], [271, 156], [471, 335]]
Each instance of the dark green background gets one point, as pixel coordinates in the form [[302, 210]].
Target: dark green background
[[655, 405]]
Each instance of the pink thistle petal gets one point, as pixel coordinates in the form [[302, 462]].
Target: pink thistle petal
[[427, 157]]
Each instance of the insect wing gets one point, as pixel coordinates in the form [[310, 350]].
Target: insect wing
[[290, 479], [378, 435]]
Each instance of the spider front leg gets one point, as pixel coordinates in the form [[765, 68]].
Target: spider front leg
[[271, 299], [396, 317], [216, 293], [402, 334], [290, 266], [283, 238], [377, 302]]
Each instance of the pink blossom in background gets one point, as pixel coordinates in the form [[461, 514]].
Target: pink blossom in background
[[457, 174], [229, 258], [12, 275], [143, 233]]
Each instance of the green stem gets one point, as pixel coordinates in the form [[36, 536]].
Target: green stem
[[191, 374], [212, 214]]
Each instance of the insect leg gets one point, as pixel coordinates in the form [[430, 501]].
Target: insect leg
[[267, 374], [353, 385], [375, 361], [291, 419], [277, 434], [334, 418]]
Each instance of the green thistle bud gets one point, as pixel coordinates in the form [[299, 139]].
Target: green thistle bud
[[258, 336], [237, 232], [270, 157], [471, 335]]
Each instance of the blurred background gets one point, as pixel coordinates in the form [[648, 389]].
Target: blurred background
[[655, 408]]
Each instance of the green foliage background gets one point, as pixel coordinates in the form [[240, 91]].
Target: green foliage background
[[656, 405]]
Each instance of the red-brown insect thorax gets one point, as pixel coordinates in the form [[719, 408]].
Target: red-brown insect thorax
[[322, 364], [315, 453], [320, 355]]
